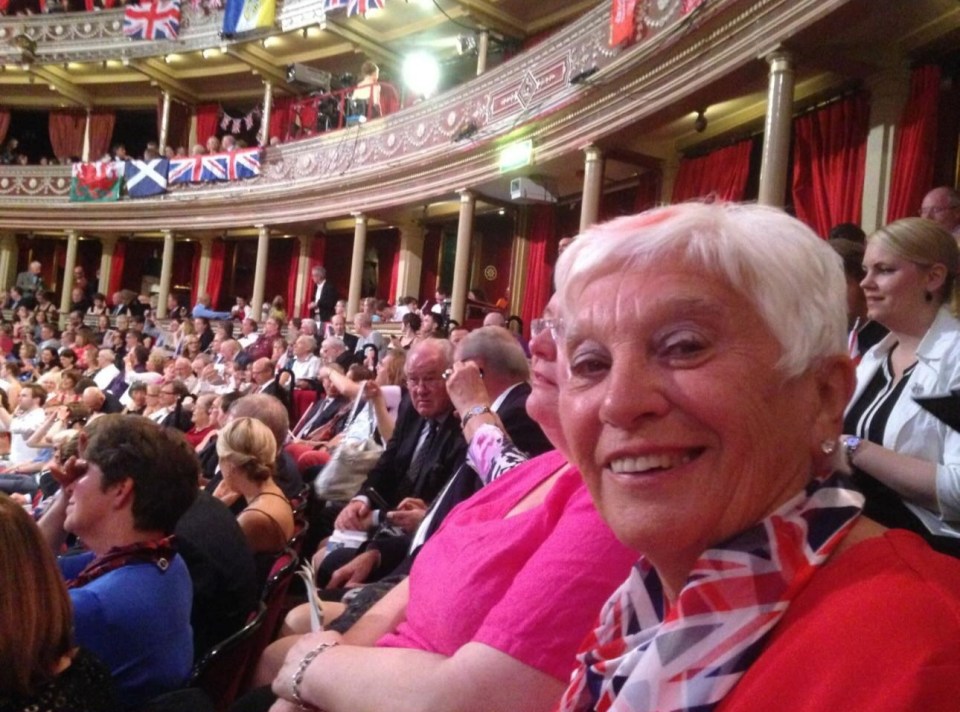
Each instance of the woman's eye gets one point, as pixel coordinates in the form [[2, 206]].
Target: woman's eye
[[588, 365], [682, 346]]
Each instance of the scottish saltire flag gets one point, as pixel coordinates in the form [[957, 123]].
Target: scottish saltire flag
[[152, 20], [185, 170], [244, 15], [146, 178], [91, 182], [360, 7], [243, 164]]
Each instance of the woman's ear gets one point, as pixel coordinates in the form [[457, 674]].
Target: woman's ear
[[936, 276], [835, 381]]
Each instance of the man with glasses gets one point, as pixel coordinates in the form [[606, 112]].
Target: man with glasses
[[942, 205], [170, 412], [264, 378]]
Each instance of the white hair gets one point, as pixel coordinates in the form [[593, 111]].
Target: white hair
[[792, 278]]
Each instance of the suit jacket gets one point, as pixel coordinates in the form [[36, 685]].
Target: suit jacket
[[324, 307], [389, 477], [318, 414], [351, 341]]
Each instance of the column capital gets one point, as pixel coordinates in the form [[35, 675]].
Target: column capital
[[360, 218], [593, 152], [108, 239], [263, 231], [467, 195], [779, 59], [166, 232]]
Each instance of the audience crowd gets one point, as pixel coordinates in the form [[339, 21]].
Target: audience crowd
[[431, 474]]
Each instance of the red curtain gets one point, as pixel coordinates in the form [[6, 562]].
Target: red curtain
[[431, 260], [4, 124], [116, 268], [392, 295], [721, 174], [294, 266], [543, 221], [208, 116], [101, 133], [66, 133], [280, 114], [913, 161], [648, 191], [178, 126], [829, 150], [215, 276]]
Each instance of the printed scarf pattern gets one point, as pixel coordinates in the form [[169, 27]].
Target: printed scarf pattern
[[159, 552], [645, 658]]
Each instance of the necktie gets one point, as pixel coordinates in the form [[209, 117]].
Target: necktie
[[422, 452]]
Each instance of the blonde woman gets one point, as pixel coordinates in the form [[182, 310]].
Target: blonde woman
[[248, 453]]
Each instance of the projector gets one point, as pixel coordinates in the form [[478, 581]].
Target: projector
[[529, 190], [307, 77]]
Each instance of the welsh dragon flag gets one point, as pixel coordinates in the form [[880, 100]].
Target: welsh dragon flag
[[94, 182]]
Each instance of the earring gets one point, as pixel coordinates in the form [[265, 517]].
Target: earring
[[828, 446], [928, 296]]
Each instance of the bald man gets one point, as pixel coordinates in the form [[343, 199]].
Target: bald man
[[942, 205]]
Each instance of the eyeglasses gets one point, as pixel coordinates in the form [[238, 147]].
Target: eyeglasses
[[538, 326], [169, 393], [424, 381]]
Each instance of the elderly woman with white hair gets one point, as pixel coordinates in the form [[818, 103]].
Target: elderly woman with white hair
[[705, 385]]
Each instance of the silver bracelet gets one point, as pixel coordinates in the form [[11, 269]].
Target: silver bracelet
[[301, 669]]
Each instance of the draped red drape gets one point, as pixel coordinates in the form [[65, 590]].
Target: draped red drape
[[392, 295], [208, 116], [543, 253], [4, 124], [648, 191], [721, 174], [431, 252], [101, 133], [116, 268], [829, 150], [215, 277], [280, 115], [913, 160], [66, 133], [294, 266]]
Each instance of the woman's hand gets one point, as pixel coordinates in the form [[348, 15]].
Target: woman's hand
[[226, 494], [283, 682], [371, 391]]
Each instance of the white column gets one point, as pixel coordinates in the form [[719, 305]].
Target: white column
[[267, 110], [206, 256], [356, 263], [776, 132], [164, 122], [592, 187], [461, 264], [85, 156], [410, 266], [8, 259], [888, 95], [671, 167], [108, 245], [166, 273], [483, 48], [260, 271], [69, 263]]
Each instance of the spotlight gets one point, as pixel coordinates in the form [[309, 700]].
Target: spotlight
[[421, 73]]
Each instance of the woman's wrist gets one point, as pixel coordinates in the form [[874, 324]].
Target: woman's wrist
[[301, 670]]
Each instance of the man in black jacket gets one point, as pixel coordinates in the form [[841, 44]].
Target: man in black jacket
[[324, 296]]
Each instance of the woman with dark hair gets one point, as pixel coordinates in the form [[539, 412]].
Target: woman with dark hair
[[410, 332], [40, 666]]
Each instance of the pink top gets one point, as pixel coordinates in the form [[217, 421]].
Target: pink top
[[530, 585]]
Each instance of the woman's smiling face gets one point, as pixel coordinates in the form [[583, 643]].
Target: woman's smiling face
[[675, 412]]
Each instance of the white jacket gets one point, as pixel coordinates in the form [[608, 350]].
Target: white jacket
[[913, 431]]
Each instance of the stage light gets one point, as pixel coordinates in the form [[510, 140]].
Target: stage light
[[421, 74]]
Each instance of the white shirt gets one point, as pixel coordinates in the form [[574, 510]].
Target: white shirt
[[104, 377], [307, 368], [21, 428]]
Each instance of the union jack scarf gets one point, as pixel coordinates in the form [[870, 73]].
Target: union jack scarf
[[159, 552], [643, 657]]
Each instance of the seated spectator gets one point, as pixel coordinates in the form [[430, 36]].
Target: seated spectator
[[44, 305], [202, 424], [363, 325], [263, 346], [41, 668], [305, 365], [202, 309], [131, 593], [137, 398], [66, 389], [248, 332], [24, 462], [410, 331], [49, 360], [333, 350], [99, 306], [79, 301], [248, 452]]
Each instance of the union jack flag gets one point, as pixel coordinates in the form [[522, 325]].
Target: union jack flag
[[152, 20], [188, 169], [360, 7], [243, 164], [329, 5]]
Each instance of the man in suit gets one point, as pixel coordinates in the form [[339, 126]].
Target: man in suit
[[324, 296], [264, 378], [338, 328], [30, 281], [505, 372], [333, 350], [322, 409]]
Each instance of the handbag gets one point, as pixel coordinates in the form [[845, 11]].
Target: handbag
[[352, 461]]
